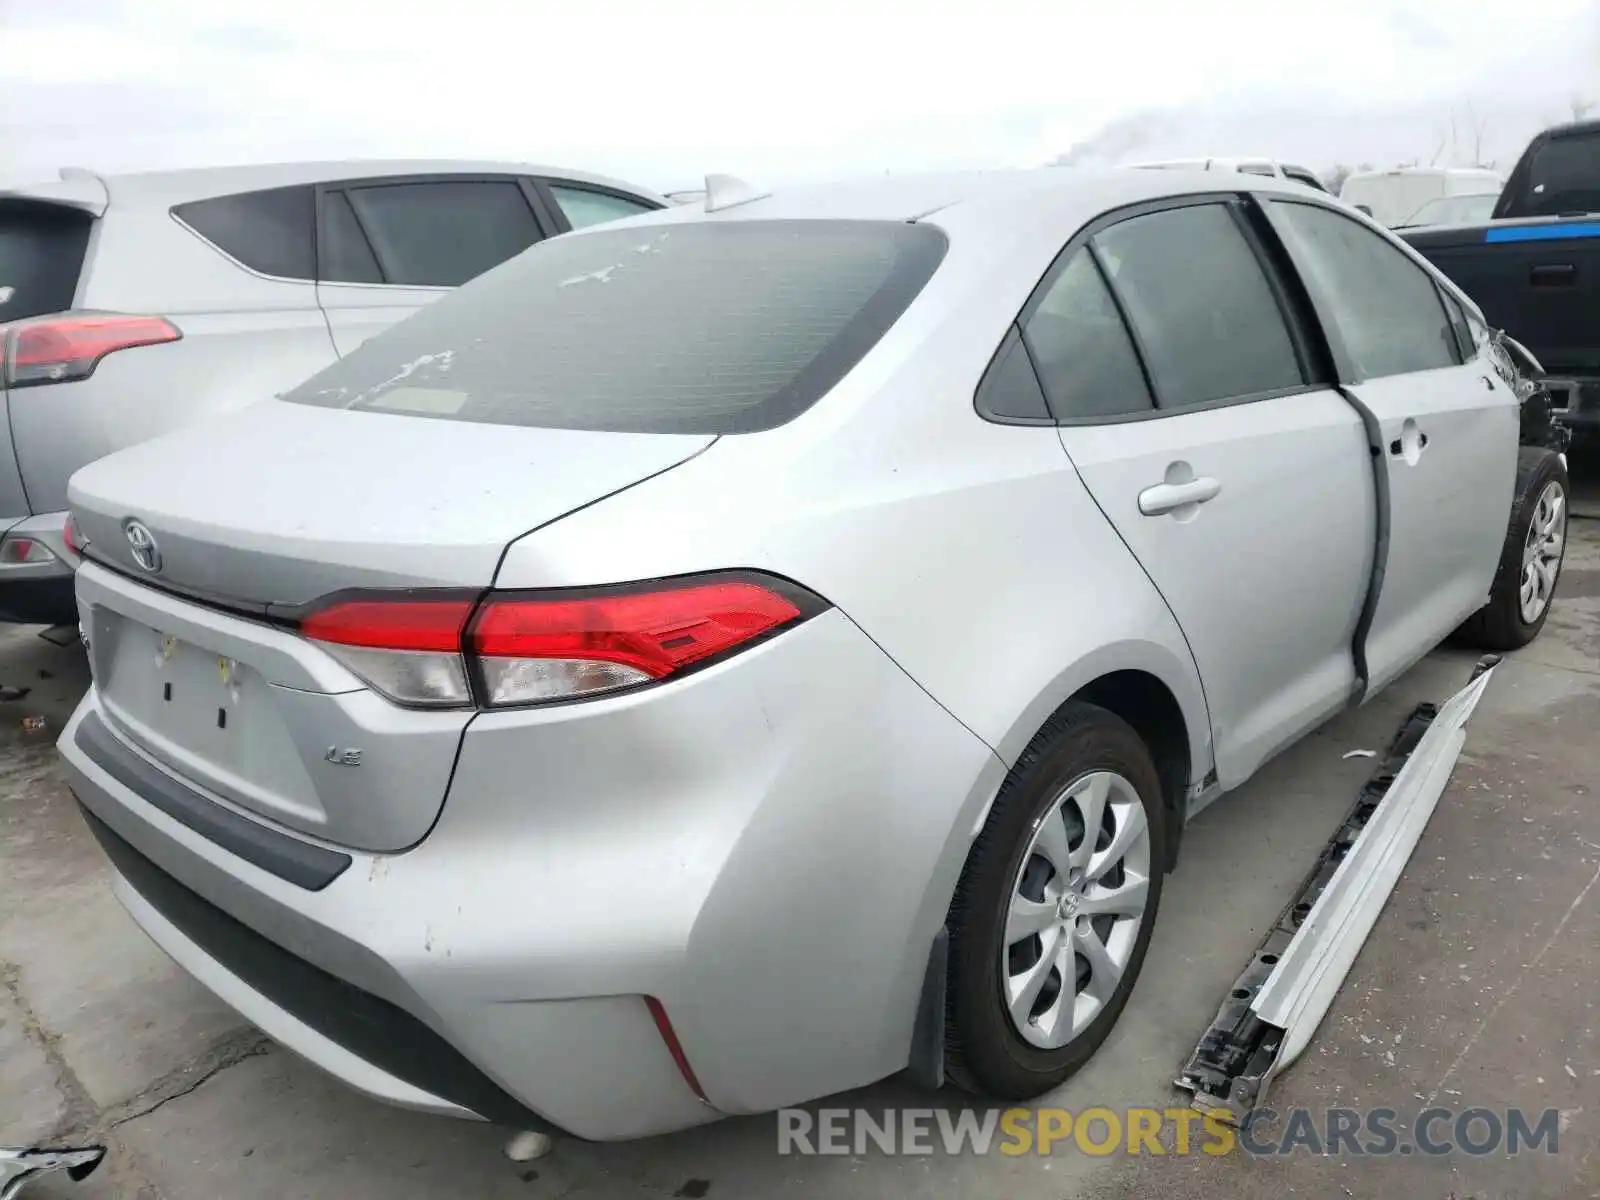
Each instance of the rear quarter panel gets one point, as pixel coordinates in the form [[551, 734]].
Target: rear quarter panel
[[968, 551]]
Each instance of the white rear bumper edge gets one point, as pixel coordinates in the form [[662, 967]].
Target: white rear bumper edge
[[1280, 1000]]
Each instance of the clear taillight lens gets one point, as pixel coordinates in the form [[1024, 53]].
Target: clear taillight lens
[[537, 647]]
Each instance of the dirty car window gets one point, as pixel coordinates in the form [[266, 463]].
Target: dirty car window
[[716, 327]]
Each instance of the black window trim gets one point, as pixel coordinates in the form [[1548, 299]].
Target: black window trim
[[1303, 334], [1462, 332], [172, 212], [1141, 352], [541, 218], [1347, 373], [541, 185]]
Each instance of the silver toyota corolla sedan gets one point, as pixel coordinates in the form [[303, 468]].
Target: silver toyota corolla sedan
[[730, 656]]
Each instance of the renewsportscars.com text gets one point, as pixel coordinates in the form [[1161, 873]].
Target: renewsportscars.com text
[[1375, 1132]]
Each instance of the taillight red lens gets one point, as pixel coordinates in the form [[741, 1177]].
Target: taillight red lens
[[530, 647], [59, 349], [654, 632], [398, 624]]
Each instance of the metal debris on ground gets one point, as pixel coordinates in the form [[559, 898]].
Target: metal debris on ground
[[19, 1167], [34, 724], [1281, 997]]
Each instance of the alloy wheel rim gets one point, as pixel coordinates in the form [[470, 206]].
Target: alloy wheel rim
[[1075, 909], [1542, 551]]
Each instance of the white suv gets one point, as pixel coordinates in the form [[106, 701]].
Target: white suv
[[132, 304]]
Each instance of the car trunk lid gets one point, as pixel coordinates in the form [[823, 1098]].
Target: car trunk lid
[[273, 507], [279, 504]]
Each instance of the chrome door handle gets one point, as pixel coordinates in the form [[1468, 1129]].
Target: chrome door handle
[[1168, 497]]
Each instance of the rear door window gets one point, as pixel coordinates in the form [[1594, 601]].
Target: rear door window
[[42, 247], [443, 233], [268, 231], [713, 327], [584, 206], [1388, 309], [1201, 305]]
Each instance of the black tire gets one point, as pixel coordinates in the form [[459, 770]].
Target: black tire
[[984, 1053], [1498, 626]]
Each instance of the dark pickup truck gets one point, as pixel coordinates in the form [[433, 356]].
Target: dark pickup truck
[[1535, 268]]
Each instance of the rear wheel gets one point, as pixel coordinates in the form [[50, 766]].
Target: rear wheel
[[1053, 915], [1530, 562]]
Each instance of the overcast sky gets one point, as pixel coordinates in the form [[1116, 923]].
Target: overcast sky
[[661, 91]]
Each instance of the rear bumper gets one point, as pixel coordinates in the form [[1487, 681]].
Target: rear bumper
[[767, 848], [38, 593]]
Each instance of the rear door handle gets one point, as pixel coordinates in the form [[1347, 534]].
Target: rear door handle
[[1168, 497], [1553, 275]]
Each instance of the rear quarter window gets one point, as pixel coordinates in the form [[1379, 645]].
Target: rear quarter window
[[705, 327], [269, 231], [42, 247]]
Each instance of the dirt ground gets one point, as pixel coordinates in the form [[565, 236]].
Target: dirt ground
[[1478, 988]]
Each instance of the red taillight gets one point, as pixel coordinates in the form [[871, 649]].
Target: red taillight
[[58, 349], [531, 647], [406, 646], [398, 624], [72, 535]]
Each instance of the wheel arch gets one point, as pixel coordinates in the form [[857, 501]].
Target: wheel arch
[[1154, 691], [1165, 706]]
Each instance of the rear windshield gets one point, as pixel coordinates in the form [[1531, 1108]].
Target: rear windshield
[[703, 327], [41, 255], [1563, 176]]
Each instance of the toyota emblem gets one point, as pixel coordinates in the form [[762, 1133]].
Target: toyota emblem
[[143, 545]]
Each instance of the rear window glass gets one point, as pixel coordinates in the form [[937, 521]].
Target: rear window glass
[[1563, 177], [41, 256], [269, 231], [713, 327]]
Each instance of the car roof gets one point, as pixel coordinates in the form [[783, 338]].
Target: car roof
[[959, 196], [165, 188]]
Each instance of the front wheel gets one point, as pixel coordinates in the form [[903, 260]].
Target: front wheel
[[1053, 915], [1530, 562]]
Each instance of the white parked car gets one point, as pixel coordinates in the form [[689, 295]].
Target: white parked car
[[131, 304]]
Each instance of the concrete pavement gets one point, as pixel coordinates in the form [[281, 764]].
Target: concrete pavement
[[1479, 980]]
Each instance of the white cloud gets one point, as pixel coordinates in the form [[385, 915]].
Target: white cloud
[[661, 92]]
